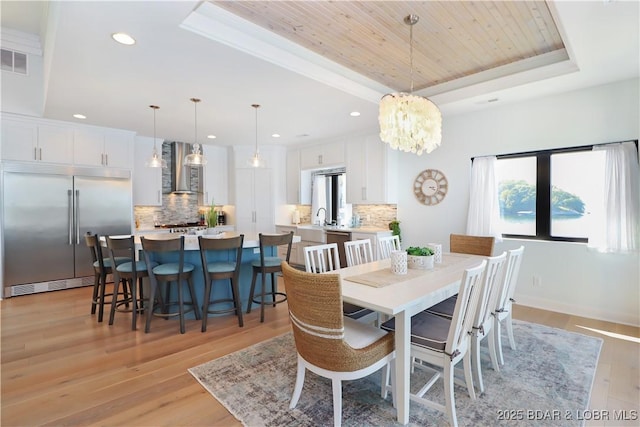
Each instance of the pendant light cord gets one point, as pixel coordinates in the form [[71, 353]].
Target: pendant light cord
[[411, 56], [256, 106]]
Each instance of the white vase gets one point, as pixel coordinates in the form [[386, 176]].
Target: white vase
[[420, 262]]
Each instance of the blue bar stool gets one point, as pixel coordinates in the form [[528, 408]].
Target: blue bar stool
[[221, 270], [167, 271], [131, 272]]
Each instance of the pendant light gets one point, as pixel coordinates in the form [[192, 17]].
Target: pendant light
[[196, 158], [256, 160], [410, 122], [156, 161]]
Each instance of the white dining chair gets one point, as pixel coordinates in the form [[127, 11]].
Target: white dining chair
[[325, 258], [358, 252], [440, 343], [503, 308], [386, 245]]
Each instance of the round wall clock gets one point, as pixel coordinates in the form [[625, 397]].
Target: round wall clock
[[430, 187]]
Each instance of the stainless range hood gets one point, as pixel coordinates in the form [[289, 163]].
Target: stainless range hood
[[181, 175]]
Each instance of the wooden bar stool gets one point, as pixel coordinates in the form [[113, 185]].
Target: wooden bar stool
[[167, 271], [131, 272], [269, 265], [221, 270], [101, 268]]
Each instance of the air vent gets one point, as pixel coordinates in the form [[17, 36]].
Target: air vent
[[13, 61]]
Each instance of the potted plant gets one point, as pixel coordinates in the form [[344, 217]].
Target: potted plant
[[394, 226], [419, 257], [211, 216]]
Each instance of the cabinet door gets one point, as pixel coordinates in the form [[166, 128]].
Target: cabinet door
[[216, 179], [311, 157], [88, 147], [19, 140], [244, 201], [147, 182], [263, 201], [356, 165], [293, 177], [117, 150], [55, 144], [333, 154]]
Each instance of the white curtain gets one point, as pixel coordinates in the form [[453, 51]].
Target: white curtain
[[484, 208], [618, 230]]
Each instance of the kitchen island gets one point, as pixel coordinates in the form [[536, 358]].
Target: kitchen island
[[220, 289]]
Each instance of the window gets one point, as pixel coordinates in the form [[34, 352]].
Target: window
[[552, 194]]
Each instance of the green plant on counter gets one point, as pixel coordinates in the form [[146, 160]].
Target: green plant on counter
[[394, 226], [419, 251], [212, 216]]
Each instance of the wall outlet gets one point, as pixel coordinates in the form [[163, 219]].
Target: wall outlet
[[537, 282]]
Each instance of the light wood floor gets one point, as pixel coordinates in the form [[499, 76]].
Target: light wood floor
[[61, 367]]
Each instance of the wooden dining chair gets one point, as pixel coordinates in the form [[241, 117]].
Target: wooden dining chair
[[442, 343], [358, 252], [328, 343], [504, 304], [386, 245], [474, 245], [324, 258]]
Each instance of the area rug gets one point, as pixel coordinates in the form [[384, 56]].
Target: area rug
[[546, 381]]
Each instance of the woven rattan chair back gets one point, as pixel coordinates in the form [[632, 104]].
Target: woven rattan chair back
[[315, 308], [474, 245]]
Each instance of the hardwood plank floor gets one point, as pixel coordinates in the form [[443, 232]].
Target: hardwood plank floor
[[61, 367]]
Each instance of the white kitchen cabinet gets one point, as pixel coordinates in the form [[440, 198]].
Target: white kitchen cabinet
[[324, 155], [102, 147], [215, 184], [282, 250], [371, 172], [371, 236], [293, 177], [147, 182], [254, 205], [33, 141]]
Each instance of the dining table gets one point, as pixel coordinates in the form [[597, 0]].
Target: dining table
[[374, 286]]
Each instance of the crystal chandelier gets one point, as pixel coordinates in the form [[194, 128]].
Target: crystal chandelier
[[256, 160], [195, 158], [410, 122], [156, 161]]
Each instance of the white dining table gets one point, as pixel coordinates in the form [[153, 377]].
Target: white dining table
[[402, 297]]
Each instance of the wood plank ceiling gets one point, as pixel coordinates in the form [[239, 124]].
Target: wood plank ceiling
[[453, 39]]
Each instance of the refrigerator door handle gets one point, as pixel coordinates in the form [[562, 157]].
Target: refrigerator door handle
[[76, 206], [70, 215]]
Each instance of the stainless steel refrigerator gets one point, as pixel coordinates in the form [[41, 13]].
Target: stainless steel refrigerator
[[46, 212]]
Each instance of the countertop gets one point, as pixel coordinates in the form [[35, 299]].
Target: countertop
[[191, 241], [335, 228]]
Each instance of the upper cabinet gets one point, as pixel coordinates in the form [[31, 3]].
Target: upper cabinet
[[215, 185], [325, 155], [147, 182], [103, 147], [371, 171], [33, 141], [293, 177]]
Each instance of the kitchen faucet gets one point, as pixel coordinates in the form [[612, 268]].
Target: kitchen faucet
[[325, 215]]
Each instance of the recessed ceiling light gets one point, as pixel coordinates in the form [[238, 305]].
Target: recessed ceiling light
[[276, 135], [493, 100], [123, 38], [80, 116], [354, 113], [211, 136]]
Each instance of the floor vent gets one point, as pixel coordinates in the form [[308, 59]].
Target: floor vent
[[13, 61], [54, 285]]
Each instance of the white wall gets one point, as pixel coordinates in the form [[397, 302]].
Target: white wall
[[573, 280]]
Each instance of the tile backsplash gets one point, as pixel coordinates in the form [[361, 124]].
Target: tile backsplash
[[371, 215]]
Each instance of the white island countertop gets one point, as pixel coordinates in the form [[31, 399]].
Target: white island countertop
[[191, 241]]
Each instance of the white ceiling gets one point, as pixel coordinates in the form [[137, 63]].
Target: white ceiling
[[300, 94]]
